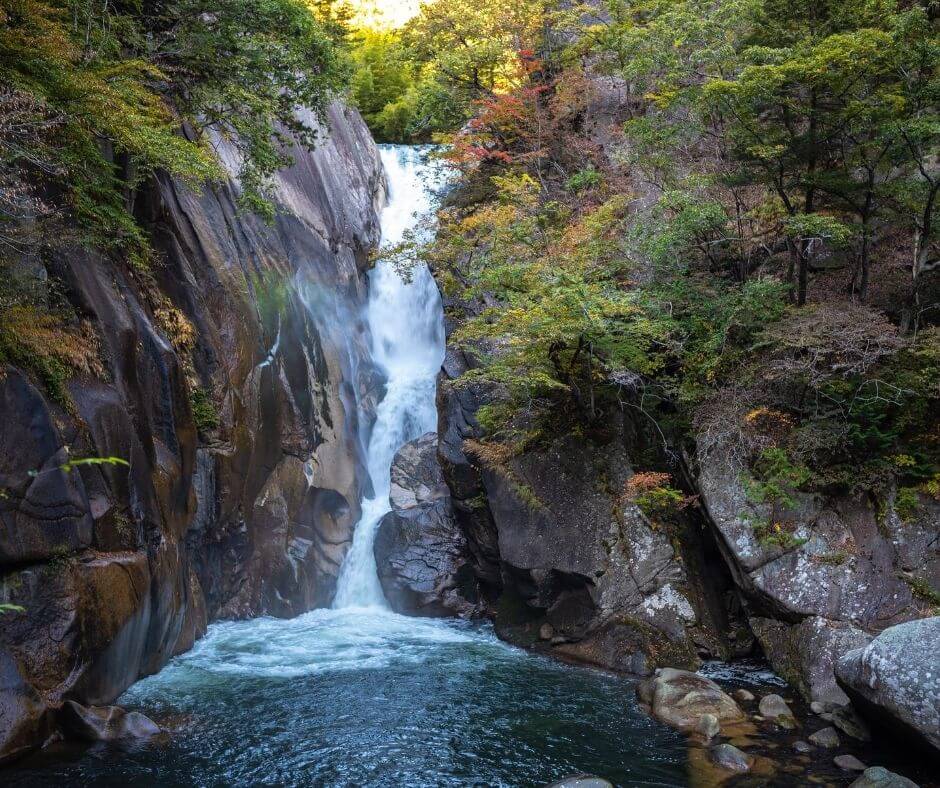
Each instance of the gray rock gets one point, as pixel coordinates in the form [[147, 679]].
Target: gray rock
[[772, 706], [420, 551], [817, 708], [827, 737], [895, 679], [708, 726], [849, 763], [844, 579], [743, 695], [105, 723], [581, 781], [805, 654], [879, 777], [680, 698], [729, 757], [802, 746]]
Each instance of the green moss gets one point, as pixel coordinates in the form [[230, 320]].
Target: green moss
[[907, 503], [205, 413]]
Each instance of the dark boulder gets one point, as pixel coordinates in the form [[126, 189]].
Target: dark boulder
[[420, 551]]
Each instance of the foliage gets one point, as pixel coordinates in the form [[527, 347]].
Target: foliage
[[652, 492], [205, 413], [95, 95]]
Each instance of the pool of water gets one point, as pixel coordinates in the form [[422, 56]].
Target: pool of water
[[367, 697]]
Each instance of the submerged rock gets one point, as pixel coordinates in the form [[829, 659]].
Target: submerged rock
[[105, 723], [827, 737], [802, 746], [581, 781], [849, 763], [879, 777], [680, 699], [708, 726], [729, 757], [895, 679]]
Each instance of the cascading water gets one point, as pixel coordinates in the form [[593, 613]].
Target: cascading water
[[400, 308], [358, 695]]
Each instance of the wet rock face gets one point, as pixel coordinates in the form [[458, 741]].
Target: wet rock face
[[105, 723], [611, 587], [233, 376], [420, 552], [895, 681], [847, 576]]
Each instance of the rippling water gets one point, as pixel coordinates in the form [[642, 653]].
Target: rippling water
[[364, 697]]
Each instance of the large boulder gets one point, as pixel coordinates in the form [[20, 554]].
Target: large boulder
[[420, 551], [850, 569], [895, 680], [680, 699]]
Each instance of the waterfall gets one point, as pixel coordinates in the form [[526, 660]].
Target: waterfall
[[406, 323]]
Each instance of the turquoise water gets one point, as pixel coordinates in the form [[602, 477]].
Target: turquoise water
[[367, 697]]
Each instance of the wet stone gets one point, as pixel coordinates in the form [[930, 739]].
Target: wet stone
[[849, 763], [879, 777], [802, 746], [827, 737], [729, 757]]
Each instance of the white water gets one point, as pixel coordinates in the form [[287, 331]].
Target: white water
[[406, 323]]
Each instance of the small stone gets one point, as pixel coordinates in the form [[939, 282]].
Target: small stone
[[708, 726], [827, 737], [729, 757], [802, 746], [849, 763], [773, 706], [581, 781], [743, 695], [817, 708], [546, 631], [847, 721], [827, 716], [879, 777]]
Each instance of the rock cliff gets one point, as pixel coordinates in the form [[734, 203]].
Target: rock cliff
[[232, 375]]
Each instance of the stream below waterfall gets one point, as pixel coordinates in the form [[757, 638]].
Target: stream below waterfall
[[358, 695]]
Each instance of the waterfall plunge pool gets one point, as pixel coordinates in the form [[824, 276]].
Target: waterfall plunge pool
[[358, 695]]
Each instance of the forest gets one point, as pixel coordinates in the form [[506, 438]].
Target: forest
[[351, 351]]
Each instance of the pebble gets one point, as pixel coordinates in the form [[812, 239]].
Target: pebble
[[743, 695], [775, 708], [802, 746], [849, 763], [729, 757], [827, 737]]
